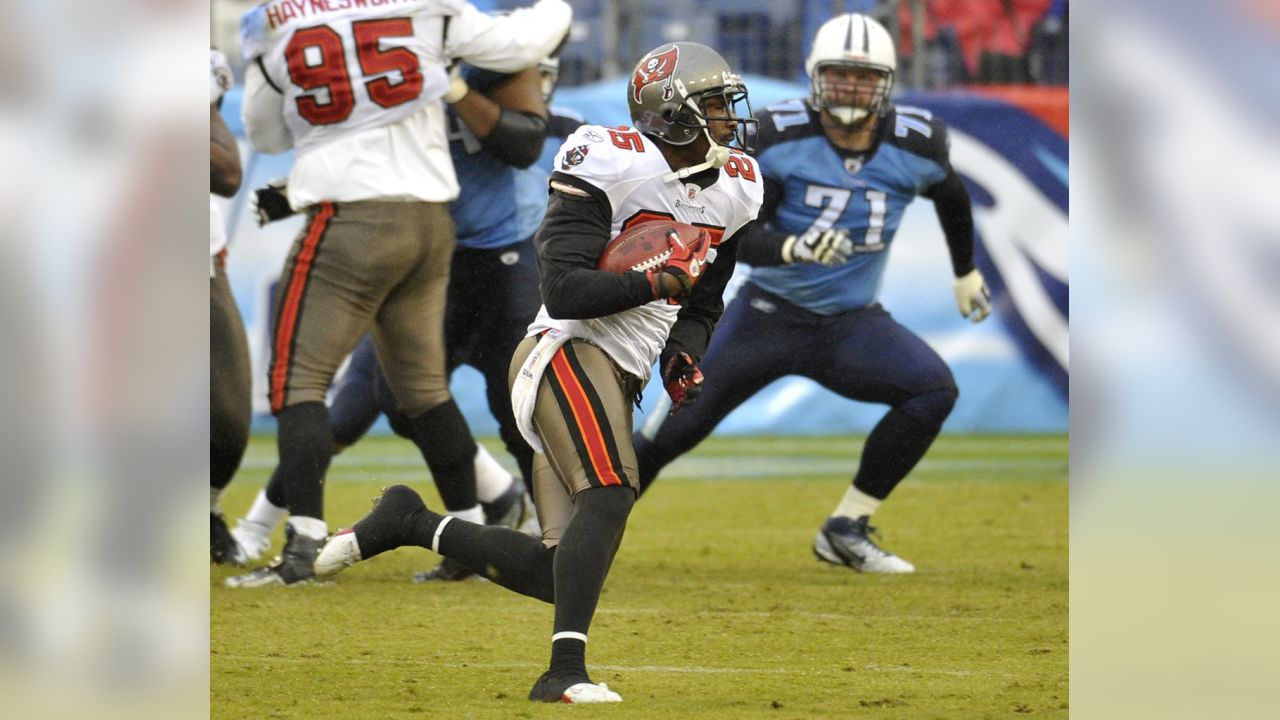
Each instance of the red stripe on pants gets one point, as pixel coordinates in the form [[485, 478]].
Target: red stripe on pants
[[292, 302], [588, 424]]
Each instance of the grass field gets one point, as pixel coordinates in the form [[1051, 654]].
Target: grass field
[[715, 607]]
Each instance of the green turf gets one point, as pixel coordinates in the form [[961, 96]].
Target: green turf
[[714, 608]]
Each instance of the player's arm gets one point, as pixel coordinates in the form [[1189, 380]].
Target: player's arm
[[263, 111], [691, 333], [511, 42], [224, 157], [573, 233], [763, 245], [704, 306], [955, 214], [510, 119]]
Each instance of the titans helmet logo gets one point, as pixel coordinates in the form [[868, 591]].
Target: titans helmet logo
[[656, 68]]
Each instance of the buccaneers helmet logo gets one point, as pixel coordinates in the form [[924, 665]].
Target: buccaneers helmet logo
[[574, 156], [656, 68]]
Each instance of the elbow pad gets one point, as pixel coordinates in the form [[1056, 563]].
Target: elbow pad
[[517, 138]]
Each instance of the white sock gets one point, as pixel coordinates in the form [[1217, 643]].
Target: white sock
[[491, 478], [472, 514], [215, 500], [314, 528], [263, 513], [855, 504]]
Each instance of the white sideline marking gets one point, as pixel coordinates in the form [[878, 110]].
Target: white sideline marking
[[690, 670], [385, 468]]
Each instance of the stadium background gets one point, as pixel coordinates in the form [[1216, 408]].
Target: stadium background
[[995, 72]]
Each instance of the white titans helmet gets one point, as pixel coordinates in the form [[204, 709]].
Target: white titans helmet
[[852, 40]]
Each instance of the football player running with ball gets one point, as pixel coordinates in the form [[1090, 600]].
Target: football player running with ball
[[593, 344], [842, 166]]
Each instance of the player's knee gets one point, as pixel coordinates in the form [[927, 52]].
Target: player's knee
[[421, 402], [933, 406], [611, 504]]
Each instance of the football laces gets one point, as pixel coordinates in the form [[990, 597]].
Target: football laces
[[653, 262]]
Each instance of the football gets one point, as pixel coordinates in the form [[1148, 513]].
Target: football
[[645, 246]]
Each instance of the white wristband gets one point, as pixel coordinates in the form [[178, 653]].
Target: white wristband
[[458, 89]]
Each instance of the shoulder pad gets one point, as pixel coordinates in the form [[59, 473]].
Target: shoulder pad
[[918, 132], [589, 155], [785, 122]]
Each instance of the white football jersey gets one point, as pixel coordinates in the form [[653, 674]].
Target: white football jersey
[[629, 168], [355, 87]]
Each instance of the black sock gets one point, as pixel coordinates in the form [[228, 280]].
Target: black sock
[[582, 561], [275, 489], [568, 656], [509, 558], [445, 441], [306, 444]]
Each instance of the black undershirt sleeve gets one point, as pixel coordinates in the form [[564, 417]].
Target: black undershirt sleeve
[[955, 213], [761, 244], [702, 309], [569, 242]]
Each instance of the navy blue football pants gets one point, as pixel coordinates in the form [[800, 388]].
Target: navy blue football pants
[[864, 355]]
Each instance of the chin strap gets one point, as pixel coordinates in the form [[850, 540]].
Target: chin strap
[[717, 156]]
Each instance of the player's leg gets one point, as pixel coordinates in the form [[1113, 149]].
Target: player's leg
[[511, 559], [409, 338], [355, 404], [352, 412], [230, 409], [751, 347], [513, 272], [342, 265], [906, 374], [583, 418]]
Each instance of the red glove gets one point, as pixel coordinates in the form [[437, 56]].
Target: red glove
[[687, 261], [683, 379]]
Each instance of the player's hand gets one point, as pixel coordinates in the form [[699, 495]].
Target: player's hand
[[271, 201], [220, 78], [687, 262], [972, 296], [683, 379], [458, 87], [821, 247]]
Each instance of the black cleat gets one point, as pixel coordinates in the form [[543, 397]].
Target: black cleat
[[296, 564], [571, 688], [223, 548]]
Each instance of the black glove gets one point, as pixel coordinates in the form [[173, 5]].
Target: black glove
[[683, 379], [271, 202]]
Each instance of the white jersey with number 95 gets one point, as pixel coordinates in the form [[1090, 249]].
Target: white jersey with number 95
[[354, 87]]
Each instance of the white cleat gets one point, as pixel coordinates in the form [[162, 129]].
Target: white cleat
[[341, 552], [588, 693], [254, 538], [846, 541]]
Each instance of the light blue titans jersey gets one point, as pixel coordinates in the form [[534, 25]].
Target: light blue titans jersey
[[822, 187], [484, 215]]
